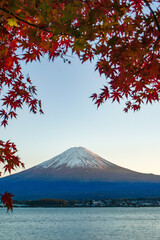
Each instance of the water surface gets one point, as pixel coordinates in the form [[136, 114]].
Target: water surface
[[80, 224]]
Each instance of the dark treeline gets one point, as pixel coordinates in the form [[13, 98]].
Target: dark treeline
[[44, 203], [141, 202]]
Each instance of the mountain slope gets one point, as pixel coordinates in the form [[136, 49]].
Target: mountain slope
[[80, 164], [79, 174]]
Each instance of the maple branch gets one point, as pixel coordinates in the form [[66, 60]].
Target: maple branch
[[31, 24], [154, 16], [22, 20]]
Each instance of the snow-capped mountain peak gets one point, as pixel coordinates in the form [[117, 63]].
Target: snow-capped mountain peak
[[76, 157]]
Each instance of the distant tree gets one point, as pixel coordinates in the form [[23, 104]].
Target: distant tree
[[122, 35]]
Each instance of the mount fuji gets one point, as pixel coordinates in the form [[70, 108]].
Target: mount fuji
[[79, 173]]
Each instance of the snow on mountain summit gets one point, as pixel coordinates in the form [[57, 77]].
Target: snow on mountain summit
[[76, 157]]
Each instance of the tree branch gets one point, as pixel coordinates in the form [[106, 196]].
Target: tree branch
[[22, 20], [154, 16]]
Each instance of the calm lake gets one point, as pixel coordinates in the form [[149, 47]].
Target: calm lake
[[80, 224]]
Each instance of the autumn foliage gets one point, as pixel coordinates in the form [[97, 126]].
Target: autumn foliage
[[122, 36], [6, 198]]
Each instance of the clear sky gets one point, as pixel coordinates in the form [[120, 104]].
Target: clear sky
[[129, 140]]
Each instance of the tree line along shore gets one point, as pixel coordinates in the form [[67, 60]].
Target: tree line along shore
[[140, 202]]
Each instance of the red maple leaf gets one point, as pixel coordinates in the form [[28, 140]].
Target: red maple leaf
[[6, 199]]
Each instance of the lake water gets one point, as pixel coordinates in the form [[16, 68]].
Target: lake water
[[80, 224]]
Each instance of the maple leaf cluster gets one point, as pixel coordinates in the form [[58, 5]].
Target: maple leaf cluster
[[6, 199], [122, 36], [11, 161], [8, 156]]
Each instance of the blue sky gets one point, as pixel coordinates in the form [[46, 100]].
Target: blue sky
[[71, 119]]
